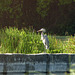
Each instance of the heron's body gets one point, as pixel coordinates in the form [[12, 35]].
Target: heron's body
[[44, 38]]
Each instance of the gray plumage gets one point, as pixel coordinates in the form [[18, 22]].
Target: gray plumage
[[44, 38]]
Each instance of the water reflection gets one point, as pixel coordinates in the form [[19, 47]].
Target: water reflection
[[72, 69], [71, 72], [38, 74]]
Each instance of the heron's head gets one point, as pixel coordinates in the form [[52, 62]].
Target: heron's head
[[42, 30]]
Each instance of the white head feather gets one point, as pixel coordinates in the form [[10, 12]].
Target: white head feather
[[42, 30]]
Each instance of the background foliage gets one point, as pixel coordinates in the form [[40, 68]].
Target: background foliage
[[57, 16]]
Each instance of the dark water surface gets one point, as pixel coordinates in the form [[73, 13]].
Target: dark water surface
[[33, 73]]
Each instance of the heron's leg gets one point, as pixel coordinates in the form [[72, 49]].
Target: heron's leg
[[45, 50]]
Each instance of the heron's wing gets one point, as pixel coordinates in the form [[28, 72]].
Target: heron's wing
[[46, 41]]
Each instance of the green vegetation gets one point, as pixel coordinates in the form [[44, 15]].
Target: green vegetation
[[26, 41]]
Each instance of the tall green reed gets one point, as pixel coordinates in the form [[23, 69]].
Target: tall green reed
[[20, 41], [27, 41]]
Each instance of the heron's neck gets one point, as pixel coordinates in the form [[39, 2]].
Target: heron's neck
[[42, 35]]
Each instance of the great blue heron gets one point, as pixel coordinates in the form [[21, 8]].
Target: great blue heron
[[44, 38]]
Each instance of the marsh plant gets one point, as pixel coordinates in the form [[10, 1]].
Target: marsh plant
[[13, 40]]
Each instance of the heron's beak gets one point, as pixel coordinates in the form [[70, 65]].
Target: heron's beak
[[39, 31]]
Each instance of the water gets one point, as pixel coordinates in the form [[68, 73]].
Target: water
[[33, 73]]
